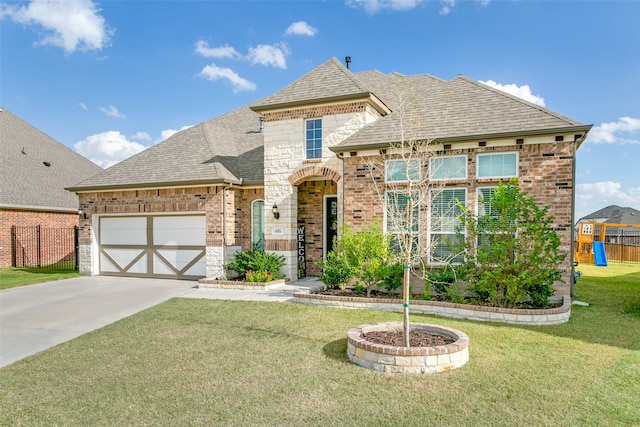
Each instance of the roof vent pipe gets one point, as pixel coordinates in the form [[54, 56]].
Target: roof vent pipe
[[347, 59]]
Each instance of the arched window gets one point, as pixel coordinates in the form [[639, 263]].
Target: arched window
[[257, 223]]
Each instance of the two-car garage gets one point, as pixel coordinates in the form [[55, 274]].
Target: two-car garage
[[163, 246]]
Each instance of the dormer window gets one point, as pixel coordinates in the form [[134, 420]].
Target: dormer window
[[314, 138]]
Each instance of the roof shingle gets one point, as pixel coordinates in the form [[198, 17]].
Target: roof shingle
[[27, 181]]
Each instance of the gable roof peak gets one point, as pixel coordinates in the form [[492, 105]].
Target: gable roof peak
[[330, 81]]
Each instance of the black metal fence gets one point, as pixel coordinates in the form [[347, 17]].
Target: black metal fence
[[48, 248]]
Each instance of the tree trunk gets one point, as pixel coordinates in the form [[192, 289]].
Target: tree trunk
[[406, 290]]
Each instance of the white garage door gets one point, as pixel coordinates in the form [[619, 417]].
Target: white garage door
[[153, 246]]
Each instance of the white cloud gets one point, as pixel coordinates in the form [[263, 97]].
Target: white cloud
[[82, 105], [170, 132], [375, 6], [625, 131], [301, 28], [107, 148], [112, 112], [226, 51], [273, 55], [523, 92], [141, 136], [68, 24], [446, 6], [213, 72], [597, 195]]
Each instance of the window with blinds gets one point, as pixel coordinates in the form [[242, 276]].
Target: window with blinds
[[444, 222], [402, 217]]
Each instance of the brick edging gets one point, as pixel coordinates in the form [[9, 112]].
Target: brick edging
[[550, 316], [236, 284]]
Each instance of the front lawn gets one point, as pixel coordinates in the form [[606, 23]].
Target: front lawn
[[11, 277], [208, 362]]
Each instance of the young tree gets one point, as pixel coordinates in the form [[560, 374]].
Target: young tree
[[407, 177]]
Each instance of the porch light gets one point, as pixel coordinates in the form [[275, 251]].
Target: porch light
[[276, 213]]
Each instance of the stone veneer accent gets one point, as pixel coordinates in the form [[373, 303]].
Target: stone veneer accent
[[286, 166], [549, 316], [412, 360]]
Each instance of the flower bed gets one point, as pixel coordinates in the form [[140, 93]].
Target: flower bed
[[237, 284], [549, 316]]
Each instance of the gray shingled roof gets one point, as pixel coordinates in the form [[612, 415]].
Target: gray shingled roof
[[330, 81], [453, 110], [225, 149], [229, 148], [26, 181], [614, 214]]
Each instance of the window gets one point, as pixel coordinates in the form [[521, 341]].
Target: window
[[314, 138], [402, 170], [398, 220], [257, 223], [444, 221], [484, 202], [503, 165], [453, 167]]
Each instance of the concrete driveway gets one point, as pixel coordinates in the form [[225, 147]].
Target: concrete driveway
[[37, 317], [34, 318]]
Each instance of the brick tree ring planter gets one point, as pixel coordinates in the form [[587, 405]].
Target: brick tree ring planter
[[415, 360]]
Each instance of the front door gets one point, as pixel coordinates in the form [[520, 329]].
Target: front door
[[330, 222]]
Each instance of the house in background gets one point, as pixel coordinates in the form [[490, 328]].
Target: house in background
[[616, 233], [35, 171], [289, 169]]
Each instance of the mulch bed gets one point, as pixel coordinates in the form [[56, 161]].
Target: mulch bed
[[416, 338]]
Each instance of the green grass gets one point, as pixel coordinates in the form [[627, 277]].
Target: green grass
[[11, 277], [207, 362]]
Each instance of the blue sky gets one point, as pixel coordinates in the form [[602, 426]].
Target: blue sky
[[111, 78]]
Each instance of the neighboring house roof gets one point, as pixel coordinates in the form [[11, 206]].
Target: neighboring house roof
[[228, 149], [614, 214], [36, 168]]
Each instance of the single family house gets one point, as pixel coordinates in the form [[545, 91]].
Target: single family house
[[288, 170]]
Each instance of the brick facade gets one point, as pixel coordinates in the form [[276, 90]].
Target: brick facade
[[208, 199], [545, 171], [29, 218]]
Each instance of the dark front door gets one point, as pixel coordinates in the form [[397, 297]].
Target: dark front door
[[330, 222]]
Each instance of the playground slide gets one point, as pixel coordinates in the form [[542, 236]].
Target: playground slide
[[600, 254]]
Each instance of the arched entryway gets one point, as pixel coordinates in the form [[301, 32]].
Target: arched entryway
[[317, 216]]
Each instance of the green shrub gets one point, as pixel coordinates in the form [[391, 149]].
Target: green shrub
[[364, 255], [336, 272], [392, 275], [512, 255], [256, 260], [439, 279]]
